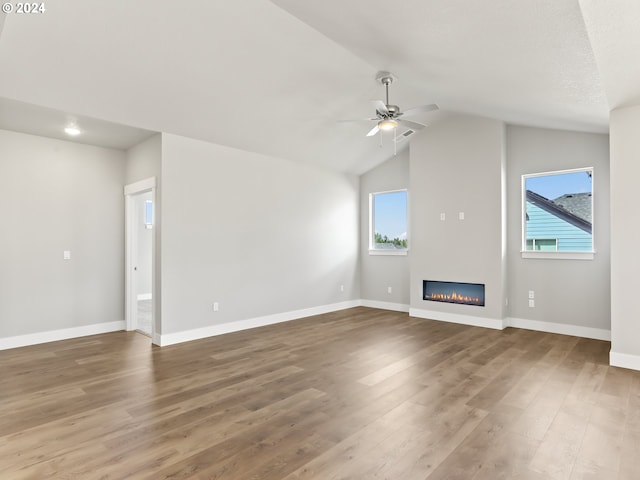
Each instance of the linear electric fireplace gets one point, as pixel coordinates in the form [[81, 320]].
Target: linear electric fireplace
[[453, 292]]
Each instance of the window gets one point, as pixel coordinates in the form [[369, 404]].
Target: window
[[388, 223], [558, 214], [148, 213]]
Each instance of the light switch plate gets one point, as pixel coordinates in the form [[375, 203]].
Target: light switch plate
[[66, 255]]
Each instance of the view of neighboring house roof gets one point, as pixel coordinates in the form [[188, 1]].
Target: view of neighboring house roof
[[577, 203], [563, 212]]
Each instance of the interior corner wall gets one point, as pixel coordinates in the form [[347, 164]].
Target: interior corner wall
[[258, 235], [457, 166], [57, 196], [378, 272], [567, 292], [144, 160], [625, 231]]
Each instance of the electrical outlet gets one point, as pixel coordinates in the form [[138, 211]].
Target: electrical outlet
[[460, 215], [443, 217], [342, 288], [532, 294], [216, 306], [389, 289], [532, 303]]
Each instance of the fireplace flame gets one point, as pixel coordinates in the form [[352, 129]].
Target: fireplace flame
[[453, 297]]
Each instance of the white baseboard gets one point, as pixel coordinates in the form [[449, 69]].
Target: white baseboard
[[213, 330], [396, 307], [144, 296], [499, 324], [624, 360], [616, 359], [563, 329], [494, 323], [62, 334]]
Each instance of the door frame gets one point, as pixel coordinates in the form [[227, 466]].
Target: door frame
[[131, 300]]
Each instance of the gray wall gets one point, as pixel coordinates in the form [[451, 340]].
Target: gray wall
[[257, 234], [574, 292], [457, 165], [378, 272], [56, 196], [144, 160]]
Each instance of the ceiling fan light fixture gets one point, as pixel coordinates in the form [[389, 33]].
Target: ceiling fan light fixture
[[387, 124], [72, 130]]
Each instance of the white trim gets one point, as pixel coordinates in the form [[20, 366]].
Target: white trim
[[213, 330], [560, 328], [558, 255], [396, 307], [494, 323], [559, 172], [624, 360], [615, 359], [144, 296], [141, 186], [62, 334], [382, 251]]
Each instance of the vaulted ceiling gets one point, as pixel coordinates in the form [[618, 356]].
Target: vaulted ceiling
[[275, 77]]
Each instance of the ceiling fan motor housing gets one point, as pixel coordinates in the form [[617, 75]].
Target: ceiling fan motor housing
[[393, 110]]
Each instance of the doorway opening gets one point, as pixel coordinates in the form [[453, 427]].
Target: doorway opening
[[140, 257]]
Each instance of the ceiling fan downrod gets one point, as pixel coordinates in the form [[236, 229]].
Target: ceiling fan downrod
[[386, 86], [386, 79]]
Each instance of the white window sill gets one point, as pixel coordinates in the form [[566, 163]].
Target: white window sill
[[558, 255], [388, 252]]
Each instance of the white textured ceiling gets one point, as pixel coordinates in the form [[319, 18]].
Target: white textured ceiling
[[614, 31], [274, 77], [522, 61]]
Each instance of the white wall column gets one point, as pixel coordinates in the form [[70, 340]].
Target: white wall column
[[625, 235]]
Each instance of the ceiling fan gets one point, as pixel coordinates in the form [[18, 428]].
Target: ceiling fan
[[388, 116]]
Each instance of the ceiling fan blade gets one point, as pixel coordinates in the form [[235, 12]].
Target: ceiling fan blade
[[420, 109], [410, 124], [373, 131], [380, 107]]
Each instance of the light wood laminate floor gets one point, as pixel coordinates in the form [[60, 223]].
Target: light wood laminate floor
[[356, 394]]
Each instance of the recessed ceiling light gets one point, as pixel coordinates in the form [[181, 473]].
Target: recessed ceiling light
[[72, 131]]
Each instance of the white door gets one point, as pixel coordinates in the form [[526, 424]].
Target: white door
[[140, 241]]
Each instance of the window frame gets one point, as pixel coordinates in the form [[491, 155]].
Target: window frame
[[558, 254], [381, 251]]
